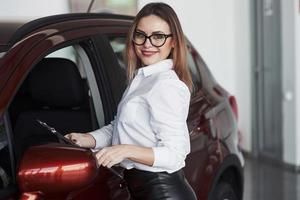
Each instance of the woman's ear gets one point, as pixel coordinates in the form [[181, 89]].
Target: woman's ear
[[173, 43]]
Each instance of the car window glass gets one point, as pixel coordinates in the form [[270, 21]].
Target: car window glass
[[118, 44], [5, 161], [66, 52]]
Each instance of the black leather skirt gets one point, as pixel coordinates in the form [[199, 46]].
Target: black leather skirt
[[144, 185]]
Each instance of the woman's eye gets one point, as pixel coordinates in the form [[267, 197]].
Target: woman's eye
[[158, 36], [139, 35]]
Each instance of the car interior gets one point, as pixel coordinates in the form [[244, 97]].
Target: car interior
[[53, 92]]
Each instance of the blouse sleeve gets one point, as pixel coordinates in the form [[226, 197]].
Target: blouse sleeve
[[103, 136], [169, 105]]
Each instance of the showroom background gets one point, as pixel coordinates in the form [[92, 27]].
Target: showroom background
[[226, 34]]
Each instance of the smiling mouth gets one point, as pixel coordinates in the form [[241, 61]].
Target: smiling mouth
[[149, 53]]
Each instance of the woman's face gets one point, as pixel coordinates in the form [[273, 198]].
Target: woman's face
[[158, 28]]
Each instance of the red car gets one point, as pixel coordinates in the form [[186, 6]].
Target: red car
[[68, 71]]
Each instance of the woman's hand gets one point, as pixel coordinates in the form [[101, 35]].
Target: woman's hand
[[109, 156], [82, 139]]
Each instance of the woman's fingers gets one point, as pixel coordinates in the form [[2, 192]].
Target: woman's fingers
[[100, 156], [73, 137], [105, 162], [68, 136], [114, 162], [82, 139], [109, 156]]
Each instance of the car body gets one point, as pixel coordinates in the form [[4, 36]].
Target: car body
[[33, 85]]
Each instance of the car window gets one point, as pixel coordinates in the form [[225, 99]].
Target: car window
[[66, 52], [118, 44], [5, 160]]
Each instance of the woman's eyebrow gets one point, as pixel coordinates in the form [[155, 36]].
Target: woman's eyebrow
[[154, 32], [138, 30], [157, 32]]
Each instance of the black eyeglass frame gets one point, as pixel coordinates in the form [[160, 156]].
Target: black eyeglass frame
[[166, 36]]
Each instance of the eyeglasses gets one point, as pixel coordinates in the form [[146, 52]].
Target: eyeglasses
[[156, 39]]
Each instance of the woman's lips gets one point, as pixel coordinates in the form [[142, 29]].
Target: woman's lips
[[148, 53]]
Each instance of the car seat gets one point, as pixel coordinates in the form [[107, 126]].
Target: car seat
[[57, 87]]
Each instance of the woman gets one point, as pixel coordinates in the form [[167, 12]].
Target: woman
[[149, 135]]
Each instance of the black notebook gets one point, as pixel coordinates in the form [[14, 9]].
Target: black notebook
[[57, 134]]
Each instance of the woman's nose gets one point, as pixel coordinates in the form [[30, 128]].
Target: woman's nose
[[147, 43]]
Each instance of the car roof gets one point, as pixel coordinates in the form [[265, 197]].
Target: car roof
[[6, 30], [13, 32]]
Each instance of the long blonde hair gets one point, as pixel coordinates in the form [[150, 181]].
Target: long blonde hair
[[178, 54]]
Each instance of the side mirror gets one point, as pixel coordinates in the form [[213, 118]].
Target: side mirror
[[56, 168]]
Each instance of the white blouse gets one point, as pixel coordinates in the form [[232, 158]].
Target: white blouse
[[152, 113]]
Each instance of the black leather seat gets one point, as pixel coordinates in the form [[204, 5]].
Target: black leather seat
[[57, 87]]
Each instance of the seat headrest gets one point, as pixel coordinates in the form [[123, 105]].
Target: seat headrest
[[56, 82]]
